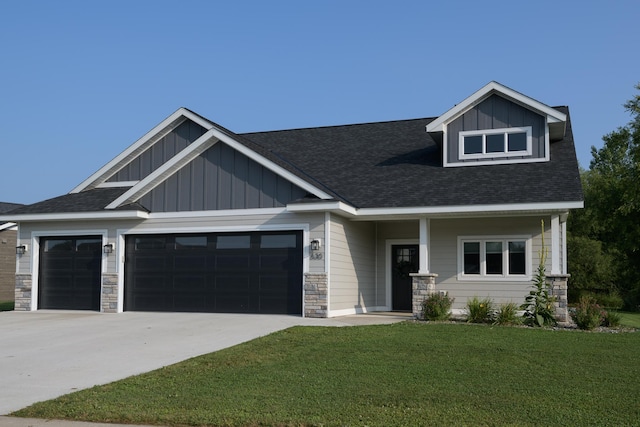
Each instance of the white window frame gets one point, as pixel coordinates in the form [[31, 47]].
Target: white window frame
[[505, 132], [505, 276]]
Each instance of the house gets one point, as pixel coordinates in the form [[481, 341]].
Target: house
[[317, 222], [8, 235]]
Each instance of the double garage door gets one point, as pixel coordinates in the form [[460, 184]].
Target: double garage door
[[253, 272]]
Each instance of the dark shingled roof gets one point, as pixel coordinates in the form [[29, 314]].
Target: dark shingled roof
[[398, 164], [86, 201], [382, 165]]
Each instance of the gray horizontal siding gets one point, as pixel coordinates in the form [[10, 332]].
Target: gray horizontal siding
[[221, 178], [160, 152], [496, 112]]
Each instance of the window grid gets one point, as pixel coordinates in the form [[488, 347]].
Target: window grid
[[491, 143], [489, 257]]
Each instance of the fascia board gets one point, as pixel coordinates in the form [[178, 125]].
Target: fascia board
[[79, 216], [158, 132], [270, 165], [7, 225], [474, 209], [553, 115], [338, 207], [167, 169]]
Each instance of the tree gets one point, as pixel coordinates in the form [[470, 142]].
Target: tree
[[611, 219]]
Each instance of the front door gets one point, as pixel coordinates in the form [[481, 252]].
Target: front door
[[404, 260]]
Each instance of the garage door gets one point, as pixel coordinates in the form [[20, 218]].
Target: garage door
[[69, 273], [257, 272]]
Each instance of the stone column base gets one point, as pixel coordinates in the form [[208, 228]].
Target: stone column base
[[559, 286], [23, 292], [315, 295], [423, 284], [109, 297]]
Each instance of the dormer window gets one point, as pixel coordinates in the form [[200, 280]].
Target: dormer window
[[494, 143]]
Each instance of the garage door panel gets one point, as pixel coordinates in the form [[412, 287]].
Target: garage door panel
[[69, 273], [233, 261], [256, 272]]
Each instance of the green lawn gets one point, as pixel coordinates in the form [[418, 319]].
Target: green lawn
[[6, 305], [403, 374], [631, 320]]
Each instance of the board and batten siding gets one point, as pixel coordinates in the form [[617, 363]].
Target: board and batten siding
[[444, 256], [496, 112], [161, 151], [352, 265], [221, 178]]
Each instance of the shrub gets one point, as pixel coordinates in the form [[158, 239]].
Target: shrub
[[479, 311], [587, 314], [507, 314], [437, 306], [611, 319], [539, 309]]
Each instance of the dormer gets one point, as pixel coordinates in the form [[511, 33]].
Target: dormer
[[497, 125]]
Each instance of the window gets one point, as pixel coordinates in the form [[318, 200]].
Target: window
[[491, 143], [494, 258]]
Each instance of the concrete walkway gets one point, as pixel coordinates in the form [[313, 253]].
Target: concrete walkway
[[46, 354]]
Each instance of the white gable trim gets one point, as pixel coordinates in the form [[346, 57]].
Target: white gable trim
[[197, 147], [155, 134], [552, 115], [171, 166], [8, 226]]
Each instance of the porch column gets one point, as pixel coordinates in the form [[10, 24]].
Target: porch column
[[423, 285], [555, 244], [423, 267], [558, 284]]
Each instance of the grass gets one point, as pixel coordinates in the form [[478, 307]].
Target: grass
[[631, 320], [385, 375], [6, 305]]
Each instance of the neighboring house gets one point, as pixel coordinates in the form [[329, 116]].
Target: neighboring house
[[8, 234], [316, 222]]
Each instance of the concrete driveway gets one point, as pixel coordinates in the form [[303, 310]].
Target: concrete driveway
[[46, 354]]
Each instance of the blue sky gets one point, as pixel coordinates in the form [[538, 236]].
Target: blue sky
[[82, 80]]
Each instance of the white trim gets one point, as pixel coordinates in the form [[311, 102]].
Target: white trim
[[35, 257], [323, 206], [471, 209], [117, 184], [217, 213], [327, 258], [564, 245], [11, 226], [439, 124], [498, 161], [77, 216], [505, 277], [555, 244], [387, 266], [504, 132], [168, 168], [155, 134], [424, 250]]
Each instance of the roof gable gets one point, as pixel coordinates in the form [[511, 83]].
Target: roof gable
[[552, 115]]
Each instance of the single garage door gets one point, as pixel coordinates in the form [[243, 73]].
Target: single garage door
[[69, 274], [256, 272]]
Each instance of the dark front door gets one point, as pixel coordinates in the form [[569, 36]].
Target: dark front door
[[404, 260], [69, 275], [253, 272]]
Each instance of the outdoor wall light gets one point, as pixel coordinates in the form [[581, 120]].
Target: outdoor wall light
[[108, 248], [20, 250], [315, 245]]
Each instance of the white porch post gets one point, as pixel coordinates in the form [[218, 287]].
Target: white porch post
[[563, 224], [555, 244], [425, 224]]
